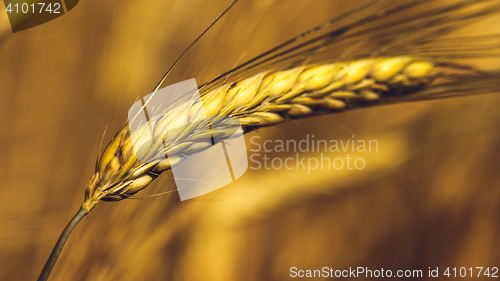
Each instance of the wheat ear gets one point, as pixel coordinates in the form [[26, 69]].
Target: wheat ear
[[265, 99]]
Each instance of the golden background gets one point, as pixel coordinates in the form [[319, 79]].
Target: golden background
[[428, 198]]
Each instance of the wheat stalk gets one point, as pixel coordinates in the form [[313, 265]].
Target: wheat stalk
[[259, 97]]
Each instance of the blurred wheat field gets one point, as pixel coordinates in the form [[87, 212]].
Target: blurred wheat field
[[428, 198]]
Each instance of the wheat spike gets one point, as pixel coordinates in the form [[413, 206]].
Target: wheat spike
[[265, 99]]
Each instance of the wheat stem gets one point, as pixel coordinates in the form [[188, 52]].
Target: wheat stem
[[60, 244]]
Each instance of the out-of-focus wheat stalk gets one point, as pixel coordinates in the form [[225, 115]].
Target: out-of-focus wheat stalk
[[281, 85]]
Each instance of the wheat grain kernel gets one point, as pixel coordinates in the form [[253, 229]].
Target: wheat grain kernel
[[343, 94], [368, 96], [384, 69], [281, 82], [144, 169], [138, 184], [197, 146], [317, 77], [355, 71], [418, 69], [298, 110], [176, 148], [333, 103]]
